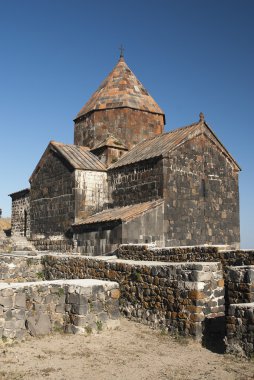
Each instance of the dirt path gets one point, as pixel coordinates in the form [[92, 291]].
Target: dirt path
[[132, 352]]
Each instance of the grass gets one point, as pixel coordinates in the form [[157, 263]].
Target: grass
[[61, 292], [99, 326], [89, 330], [40, 275], [5, 223]]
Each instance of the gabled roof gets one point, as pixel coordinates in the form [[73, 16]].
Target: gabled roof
[[110, 141], [79, 157], [123, 214], [121, 89], [165, 143]]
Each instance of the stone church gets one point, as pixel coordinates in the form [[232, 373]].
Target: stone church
[[124, 180]]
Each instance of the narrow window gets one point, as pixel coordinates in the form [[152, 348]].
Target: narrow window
[[25, 222], [203, 189]]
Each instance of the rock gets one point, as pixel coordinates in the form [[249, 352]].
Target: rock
[[39, 325]]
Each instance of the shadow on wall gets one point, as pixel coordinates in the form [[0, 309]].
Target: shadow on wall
[[214, 334]]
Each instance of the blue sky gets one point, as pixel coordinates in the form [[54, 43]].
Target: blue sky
[[191, 55]]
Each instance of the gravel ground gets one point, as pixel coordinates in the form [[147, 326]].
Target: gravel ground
[[133, 352]]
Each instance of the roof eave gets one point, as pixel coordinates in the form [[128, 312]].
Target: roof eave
[[79, 116], [25, 191]]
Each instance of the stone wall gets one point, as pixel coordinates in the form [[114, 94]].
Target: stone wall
[[201, 193], [240, 329], [186, 254], [74, 306], [5, 244], [20, 213], [20, 268], [52, 198], [61, 196], [240, 284], [139, 182], [54, 245], [176, 297], [128, 125]]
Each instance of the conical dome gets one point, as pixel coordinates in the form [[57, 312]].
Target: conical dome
[[122, 107], [121, 89]]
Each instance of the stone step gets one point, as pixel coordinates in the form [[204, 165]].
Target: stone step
[[21, 243]]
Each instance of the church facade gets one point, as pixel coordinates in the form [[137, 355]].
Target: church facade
[[126, 181]]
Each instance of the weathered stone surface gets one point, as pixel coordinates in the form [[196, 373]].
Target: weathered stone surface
[[20, 300], [182, 254], [150, 291], [17, 268], [6, 302], [20, 215], [239, 284], [67, 305], [128, 125], [39, 325], [240, 327], [53, 196]]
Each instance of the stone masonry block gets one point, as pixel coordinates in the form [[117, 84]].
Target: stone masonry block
[[20, 300], [79, 309], [6, 302]]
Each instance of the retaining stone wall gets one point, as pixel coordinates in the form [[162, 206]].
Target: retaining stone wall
[[186, 254], [240, 329], [77, 306], [15, 268], [176, 297]]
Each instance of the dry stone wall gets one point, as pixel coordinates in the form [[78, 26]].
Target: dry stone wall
[[240, 329], [20, 268], [176, 297], [74, 306], [186, 254], [239, 281], [240, 284]]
